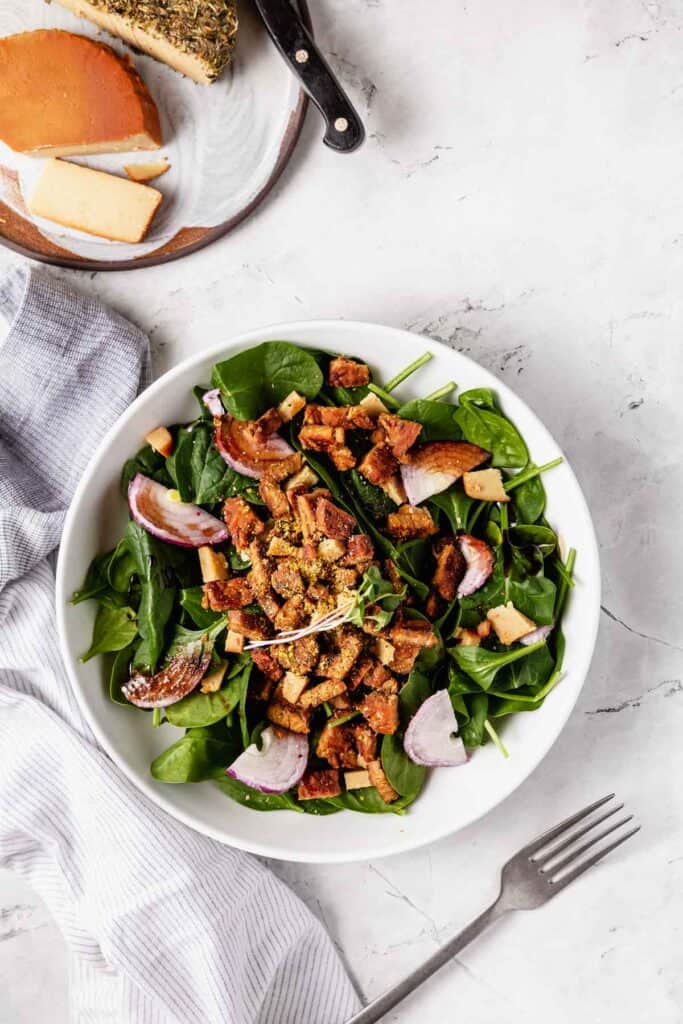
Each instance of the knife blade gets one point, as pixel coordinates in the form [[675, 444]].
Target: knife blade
[[344, 128]]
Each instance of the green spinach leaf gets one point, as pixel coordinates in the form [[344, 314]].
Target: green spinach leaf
[[473, 732], [114, 629], [457, 507], [119, 673], [374, 500], [534, 597], [149, 463], [528, 500], [191, 601], [96, 582], [482, 424], [200, 473], [193, 758], [252, 381], [483, 665], [157, 593], [254, 799], [199, 710], [437, 419]]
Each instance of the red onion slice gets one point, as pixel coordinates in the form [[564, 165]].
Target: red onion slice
[[243, 452], [435, 465], [276, 767], [421, 484], [176, 522], [213, 402], [182, 674], [430, 738], [480, 562], [540, 633]]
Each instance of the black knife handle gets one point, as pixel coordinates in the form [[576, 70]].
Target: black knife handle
[[345, 130]]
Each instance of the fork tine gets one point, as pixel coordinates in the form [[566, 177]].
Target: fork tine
[[573, 855], [586, 864], [545, 857], [552, 833]]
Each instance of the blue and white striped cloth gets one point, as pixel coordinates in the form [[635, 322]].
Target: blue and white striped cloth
[[163, 925]]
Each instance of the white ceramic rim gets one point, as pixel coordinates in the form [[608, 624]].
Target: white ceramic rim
[[376, 334]]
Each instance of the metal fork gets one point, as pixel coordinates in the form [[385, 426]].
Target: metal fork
[[532, 877]]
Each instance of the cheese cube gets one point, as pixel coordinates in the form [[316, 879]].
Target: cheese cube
[[293, 685], [160, 440], [485, 485], [213, 681], [509, 623], [290, 406], [101, 204], [213, 564], [357, 780]]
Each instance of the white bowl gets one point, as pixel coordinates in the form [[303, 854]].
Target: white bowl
[[452, 797]]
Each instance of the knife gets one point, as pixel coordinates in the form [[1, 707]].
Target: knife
[[344, 131]]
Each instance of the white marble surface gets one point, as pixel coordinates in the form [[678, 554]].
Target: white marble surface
[[520, 197]]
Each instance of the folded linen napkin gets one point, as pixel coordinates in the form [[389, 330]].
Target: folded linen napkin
[[162, 924]]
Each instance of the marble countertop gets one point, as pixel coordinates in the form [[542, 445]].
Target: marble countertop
[[519, 197]]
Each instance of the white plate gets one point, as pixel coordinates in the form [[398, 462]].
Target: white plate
[[453, 797], [226, 144]]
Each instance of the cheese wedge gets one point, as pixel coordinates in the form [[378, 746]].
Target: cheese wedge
[[101, 204], [64, 95], [146, 172], [195, 37]]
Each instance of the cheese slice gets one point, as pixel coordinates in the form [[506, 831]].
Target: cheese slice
[[146, 172], [194, 37], [64, 95], [101, 204]]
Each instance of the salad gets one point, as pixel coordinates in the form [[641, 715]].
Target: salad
[[330, 590]]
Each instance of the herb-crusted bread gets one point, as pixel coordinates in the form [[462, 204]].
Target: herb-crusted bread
[[196, 39]]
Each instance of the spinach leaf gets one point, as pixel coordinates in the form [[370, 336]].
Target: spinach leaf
[[367, 801], [149, 463], [320, 807], [483, 665], [473, 732], [119, 673], [252, 381], [157, 594], [114, 629], [533, 536], [254, 799], [482, 424], [528, 500], [96, 582], [203, 709], [437, 419], [121, 567], [348, 396], [182, 637], [242, 683], [412, 695], [200, 473], [374, 500], [404, 775], [528, 675], [456, 506], [191, 601], [193, 758], [534, 597]]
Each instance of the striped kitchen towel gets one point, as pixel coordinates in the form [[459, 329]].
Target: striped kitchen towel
[[162, 924]]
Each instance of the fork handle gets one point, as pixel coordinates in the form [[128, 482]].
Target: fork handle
[[375, 1010]]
